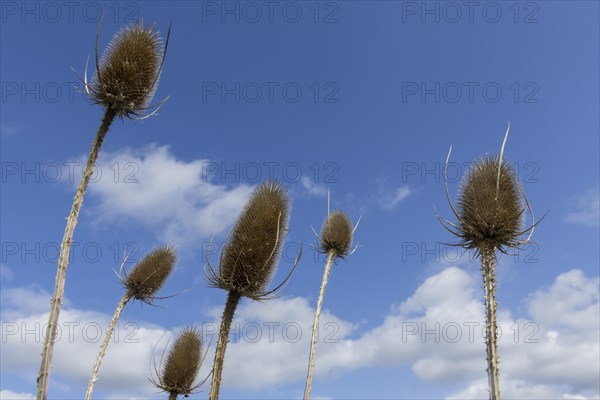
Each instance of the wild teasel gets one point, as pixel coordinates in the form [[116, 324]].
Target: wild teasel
[[181, 368], [143, 283], [150, 274], [251, 252], [490, 213], [127, 75], [335, 241], [336, 234], [249, 259], [124, 84]]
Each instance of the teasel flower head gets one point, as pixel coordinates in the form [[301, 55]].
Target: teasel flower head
[[336, 234], [128, 72], [182, 365], [251, 252], [150, 274], [490, 208]]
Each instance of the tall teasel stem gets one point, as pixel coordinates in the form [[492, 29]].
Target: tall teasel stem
[[104, 345], [233, 299], [488, 265], [63, 259], [491, 204], [144, 281], [249, 260], [315, 333], [124, 84], [335, 241]]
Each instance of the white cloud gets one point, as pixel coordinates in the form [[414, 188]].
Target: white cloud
[[125, 366], [437, 331], [11, 129], [6, 273], [277, 338], [313, 188], [389, 201], [10, 395], [513, 389], [173, 198], [587, 210]]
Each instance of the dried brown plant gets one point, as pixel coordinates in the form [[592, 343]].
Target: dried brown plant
[[249, 259], [181, 368], [143, 283], [490, 214], [124, 84]]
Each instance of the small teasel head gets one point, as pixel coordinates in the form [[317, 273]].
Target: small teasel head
[[182, 365], [336, 234], [490, 206], [150, 274], [251, 252], [127, 74]]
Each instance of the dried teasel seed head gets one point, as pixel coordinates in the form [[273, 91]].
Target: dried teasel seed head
[[150, 274], [252, 250], [490, 208], [129, 70], [336, 234], [182, 364]]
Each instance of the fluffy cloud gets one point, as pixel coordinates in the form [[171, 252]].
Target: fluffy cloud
[[587, 210], [388, 201], [174, 198], [313, 188], [437, 331], [10, 395], [125, 366]]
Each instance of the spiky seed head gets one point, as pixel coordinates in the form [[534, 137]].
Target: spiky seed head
[[183, 363], [251, 252], [150, 274], [490, 210], [129, 70], [336, 234]]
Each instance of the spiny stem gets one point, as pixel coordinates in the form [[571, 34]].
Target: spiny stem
[[63, 259], [173, 396], [104, 345], [315, 333], [233, 298], [488, 261]]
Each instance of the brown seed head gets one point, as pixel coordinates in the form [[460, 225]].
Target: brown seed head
[[490, 210], [150, 274], [129, 70], [252, 250], [336, 234], [183, 363]]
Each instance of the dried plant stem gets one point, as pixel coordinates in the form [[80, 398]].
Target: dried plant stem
[[173, 396], [104, 345], [233, 299], [488, 263], [315, 333], [63, 260]]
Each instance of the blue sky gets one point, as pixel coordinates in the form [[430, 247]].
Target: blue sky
[[361, 98]]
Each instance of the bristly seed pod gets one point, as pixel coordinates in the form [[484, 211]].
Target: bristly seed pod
[[150, 274], [336, 234], [490, 206], [129, 70], [182, 365], [252, 250]]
